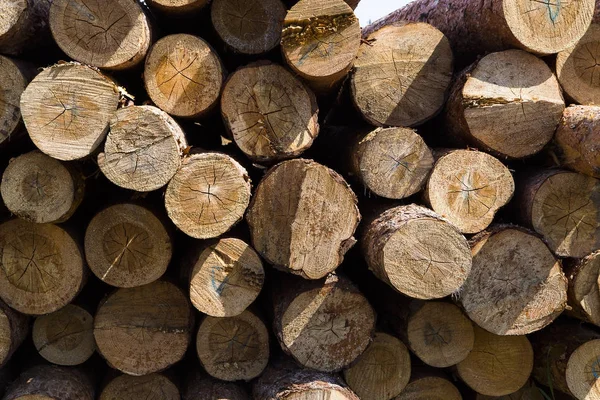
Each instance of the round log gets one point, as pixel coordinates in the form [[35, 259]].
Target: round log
[[502, 296], [233, 348], [67, 108], [323, 325], [320, 40], [527, 392], [42, 267], [46, 382], [417, 252], [392, 163], [248, 26], [183, 75], [498, 365], [564, 207], [382, 371], [578, 139], [147, 387], [204, 387], [302, 218], [126, 245], [143, 149], [539, 27], [144, 329], [111, 34], [439, 334], [507, 103], [65, 337], [430, 388], [23, 23], [468, 188], [402, 74], [577, 69], [584, 288], [14, 77], [270, 114], [226, 278], [179, 6], [40, 189], [14, 328], [208, 195]]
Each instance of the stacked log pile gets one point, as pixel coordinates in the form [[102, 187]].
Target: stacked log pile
[[256, 199]]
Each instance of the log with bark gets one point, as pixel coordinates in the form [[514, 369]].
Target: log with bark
[[584, 287], [202, 387], [14, 77], [14, 328], [147, 387], [578, 140], [23, 23], [51, 382]]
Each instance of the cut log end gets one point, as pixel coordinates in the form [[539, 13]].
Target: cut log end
[[503, 297], [179, 6], [183, 75], [270, 113], [382, 371], [302, 218], [14, 328], [578, 140], [527, 392], [152, 386], [126, 245], [40, 189], [498, 365], [584, 288], [66, 109], [392, 163], [59, 272], [143, 149], [468, 188], [144, 329], [46, 382], [208, 195], [65, 337], [440, 334], [13, 81], [430, 388], [226, 279], [320, 40], [112, 34], [249, 26], [233, 348], [583, 371], [402, 74]]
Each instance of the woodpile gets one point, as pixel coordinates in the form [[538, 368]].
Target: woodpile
[[259, 199]]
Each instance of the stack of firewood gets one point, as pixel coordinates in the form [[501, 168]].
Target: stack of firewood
[[258, 199]]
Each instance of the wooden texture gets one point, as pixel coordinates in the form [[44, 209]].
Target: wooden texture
[[178, 7], [402, 74], [430, 388], [578, 139], [502, 296], [147, 387], [143, 149], [202, 387], [14, 77], [66, 109], [584, 288], [47, 382], [22, 23], [527, 392], [14, 328], [417, 252], [302, 218]]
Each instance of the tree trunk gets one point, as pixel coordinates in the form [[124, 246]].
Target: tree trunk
[[578, 139], [248, 26], [320, 40], [429, 388], [417, 252], [226, 278], [270, 114], [507, 103], [147, 387], [468, 188], [14, 77], [51, 382], [14, 328], [111, 34], [564, 207], [233, 348], [179, 7], [67, 108], [40, 189], [584, 285], [143, 149], [498, 365], [501, 295], [65, 337], [144, 329], [183, 75], [324, 325], [202, 387], [527, 392], [382, 371], [302, 218], [126, 245], [24, 22], [208, 195], [542, 28], [392, 163], [285, 380], [402, 74], [59, 272]]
